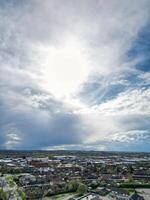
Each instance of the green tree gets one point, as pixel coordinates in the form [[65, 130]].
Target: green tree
[[82, 189], [130, 179], [23, 196], [17, 170], [2, 195], [72, 186], [10, 181], [94, 184]]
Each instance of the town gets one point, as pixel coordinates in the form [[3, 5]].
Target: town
[[74, 175]]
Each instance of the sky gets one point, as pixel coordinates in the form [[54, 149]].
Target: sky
[[75, 75]]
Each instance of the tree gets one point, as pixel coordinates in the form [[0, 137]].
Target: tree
[[82, 189], [94, 184], [17, 170], [2, 195], [10, 181], [72, 186], [23, 196], [130, 179]]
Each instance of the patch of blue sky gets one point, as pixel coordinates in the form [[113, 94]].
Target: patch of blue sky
[[96, 92], [110, 93], [135, 80], [141, 50], [11, 3]]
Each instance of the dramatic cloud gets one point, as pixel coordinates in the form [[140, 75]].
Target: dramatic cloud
[[75, 75]]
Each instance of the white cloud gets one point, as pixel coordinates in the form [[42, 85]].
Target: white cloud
[[129, 102], [99, 147], [132, 136], [13, 136], [123, 117], [145, 78]]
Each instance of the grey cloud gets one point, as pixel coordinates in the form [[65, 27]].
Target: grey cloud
[[47, 123]]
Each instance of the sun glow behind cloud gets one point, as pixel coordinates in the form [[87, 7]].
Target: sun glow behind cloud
[[64, 67]]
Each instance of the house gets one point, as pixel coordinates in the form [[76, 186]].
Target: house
[[89, 196], [119, 194], [136, 196], [101, 191], [27, 179], [123, 196], [38, 164]]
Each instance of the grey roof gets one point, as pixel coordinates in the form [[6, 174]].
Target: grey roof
[[136, 196]]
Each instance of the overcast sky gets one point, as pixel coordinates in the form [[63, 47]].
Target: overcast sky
[[75, 74]]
